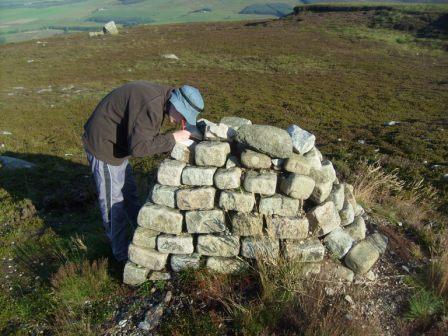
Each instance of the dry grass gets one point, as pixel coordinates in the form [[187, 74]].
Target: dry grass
[[414, 204]]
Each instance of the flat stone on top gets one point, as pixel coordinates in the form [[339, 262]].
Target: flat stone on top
[[269, 140], [279, 205], [164, 195], [198, 176], [302, 141], [202, 198], [260, 183], [170, 172], [221, 246], [247, 224], [297, 186], [237, 201], [160, 218], [260, 247], [255, 160], [205, 221], [176, 244], [228, 178], [212, 153], [235, 122], [279, 227], [324, 218]]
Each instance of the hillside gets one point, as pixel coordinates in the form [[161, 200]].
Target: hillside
[[370, 92], [22, 20]]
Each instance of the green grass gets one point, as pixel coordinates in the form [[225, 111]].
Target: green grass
[[15, 21], [313, 72]]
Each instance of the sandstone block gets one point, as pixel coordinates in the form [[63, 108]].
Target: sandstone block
[[362, 257], [308, 250], [176, 244], [235, 122], [228, 178], [134, 275], [379, 241], [321, 192], [349, 194], [219, 132], [206, 221], [337, 196], [170, 172], [297, 186], [357, 230], [225, 265], [180, 262], [184, 151], [198, 176], [314, 158], [160, 218], [324, 174], [347, 214], [221, 246], [260, 183], [302, 141], [338, 242], [202, 198], [237, 201], [145, 238], [287, 227], [279, 205], [324, 218], [255, 160], [212, 153], [269, 140], [247, 224], [164, 195], [260, 248], [298, 164], [147, 258]]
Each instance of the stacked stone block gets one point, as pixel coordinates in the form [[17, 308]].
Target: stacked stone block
[[241, 194]]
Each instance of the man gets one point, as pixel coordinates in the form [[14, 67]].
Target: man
[[126, 123]]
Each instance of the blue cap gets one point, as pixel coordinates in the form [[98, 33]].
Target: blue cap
[[188, 101]]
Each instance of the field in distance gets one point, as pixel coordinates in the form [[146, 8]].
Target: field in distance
[[24, 20]]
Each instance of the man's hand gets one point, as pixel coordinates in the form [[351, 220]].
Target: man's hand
[[181, 135]]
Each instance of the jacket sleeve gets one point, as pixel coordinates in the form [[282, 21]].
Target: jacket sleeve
[[145, 139]]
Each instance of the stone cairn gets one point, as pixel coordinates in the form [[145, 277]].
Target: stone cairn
[[247, 191]]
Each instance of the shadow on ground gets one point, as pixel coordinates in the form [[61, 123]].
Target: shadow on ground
[[62, 194]]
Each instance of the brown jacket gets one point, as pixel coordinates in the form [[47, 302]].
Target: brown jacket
[[127, 123]]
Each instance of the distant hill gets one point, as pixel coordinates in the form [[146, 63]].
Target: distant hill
[[38, 19], [275, 9]]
